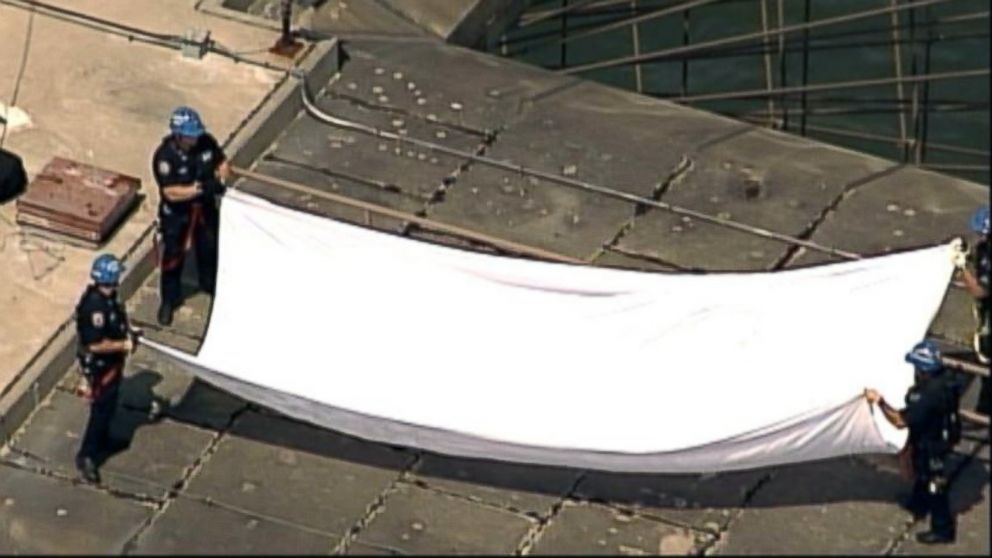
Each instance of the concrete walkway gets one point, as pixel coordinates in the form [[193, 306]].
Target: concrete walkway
[[100, 99]]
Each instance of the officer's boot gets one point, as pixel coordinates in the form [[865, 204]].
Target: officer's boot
[[88, 469], [933, 537], [165, 314]]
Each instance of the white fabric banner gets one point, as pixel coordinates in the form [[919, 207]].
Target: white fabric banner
[[411, 343]]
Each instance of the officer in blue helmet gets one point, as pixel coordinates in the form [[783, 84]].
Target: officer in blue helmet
[[931, 414], [975, 267], [105, 338], [190, 167]]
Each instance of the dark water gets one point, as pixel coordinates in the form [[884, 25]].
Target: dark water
[[953, 133]]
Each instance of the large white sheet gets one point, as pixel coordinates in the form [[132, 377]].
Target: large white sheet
[[469, 354]]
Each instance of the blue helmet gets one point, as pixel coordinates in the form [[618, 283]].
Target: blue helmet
[[925, 356], [980, 221], [107, 270], [186, 122]]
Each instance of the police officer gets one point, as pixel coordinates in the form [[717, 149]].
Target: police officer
[[189, 167], [975, 269], [931, 404], [105, 339]]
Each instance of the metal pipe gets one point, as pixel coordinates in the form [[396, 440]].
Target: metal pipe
[[563, 11], [371, 208], [881, 138], [921, 146], [769, 85], [634, 20], [723, 96], [955, 167], [897, 63], [315, 112], [635, 38], [783, 77], [807, 9], [834, 111], [668, 53], [552, 36]]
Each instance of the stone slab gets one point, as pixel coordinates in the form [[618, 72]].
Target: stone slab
[[699, 501], [523, 488], [379, 164], [611, 258], [418, 521], [41, 515], [312, 477], [906, 209], [531, 212], [157, 456], [441, 17], [581, 529], [839, 506], [496, 95], [316, 205], [341, 18], [607, 137], [189, 319], [762, 178], [191, 527]]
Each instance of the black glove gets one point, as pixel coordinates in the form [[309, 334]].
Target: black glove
[[136, 334]]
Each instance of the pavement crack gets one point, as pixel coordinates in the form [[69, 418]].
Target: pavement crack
[[174, 491], [43, 469], [795, 251], [679, 174], [422, 484], [533, 535], [651, 258], [375, 507], [449, 181], [713, 544], [377, 184]]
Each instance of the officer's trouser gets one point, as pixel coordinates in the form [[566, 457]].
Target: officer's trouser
[[930, 491], [194, 228], [106, 387], [983, 347]]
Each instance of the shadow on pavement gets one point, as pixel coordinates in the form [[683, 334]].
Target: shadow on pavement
[[844, 479]]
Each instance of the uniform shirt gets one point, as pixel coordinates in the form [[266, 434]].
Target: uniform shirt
[[926, 406], [981, 260], [98, 318], [172, 166]]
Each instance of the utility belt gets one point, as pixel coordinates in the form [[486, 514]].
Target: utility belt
[[181, 222], [922, 459], [100, 371]]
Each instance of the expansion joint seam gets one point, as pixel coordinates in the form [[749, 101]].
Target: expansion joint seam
[[713, 544], [533, 535], [43, 468], [183, 482], [376, 506], [681, 171], [794, 251], [422, 484]]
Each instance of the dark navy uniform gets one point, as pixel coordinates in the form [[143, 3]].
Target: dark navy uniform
[[189, 223], [98, 318], [981, 262], [928, 405]]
